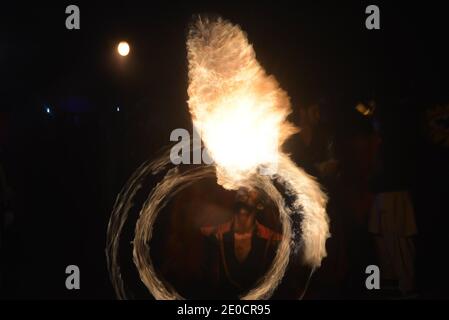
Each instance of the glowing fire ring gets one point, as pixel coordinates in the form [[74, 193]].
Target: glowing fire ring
[[310, 199]]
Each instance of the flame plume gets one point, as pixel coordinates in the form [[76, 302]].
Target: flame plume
[[239, 110]]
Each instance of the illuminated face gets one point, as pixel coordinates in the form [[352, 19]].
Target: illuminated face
[[310, 115], [314, 114], [248, 202], [438, 125]]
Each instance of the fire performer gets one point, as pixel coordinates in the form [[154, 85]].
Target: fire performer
[[239, 251], [241, 113]]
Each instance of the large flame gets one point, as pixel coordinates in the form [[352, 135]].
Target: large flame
[[238, 109]]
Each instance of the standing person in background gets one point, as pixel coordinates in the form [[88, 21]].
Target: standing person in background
[[366, 228], [309, 148]]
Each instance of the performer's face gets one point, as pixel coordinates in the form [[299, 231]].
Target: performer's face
[[247, 203]]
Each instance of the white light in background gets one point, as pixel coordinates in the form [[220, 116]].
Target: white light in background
[[123, 48]]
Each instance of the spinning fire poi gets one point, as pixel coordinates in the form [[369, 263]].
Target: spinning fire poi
[[240, 113]]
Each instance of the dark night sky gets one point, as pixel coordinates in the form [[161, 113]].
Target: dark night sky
[[66, 168], [326, 46]]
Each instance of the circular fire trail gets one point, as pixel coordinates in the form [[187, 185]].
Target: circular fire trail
[[240, 113]]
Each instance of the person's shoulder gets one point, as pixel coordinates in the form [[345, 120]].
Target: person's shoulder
[[216, 230], [267, 233]]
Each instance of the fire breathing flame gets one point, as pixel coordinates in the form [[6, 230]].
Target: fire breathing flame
[[239, 110]]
